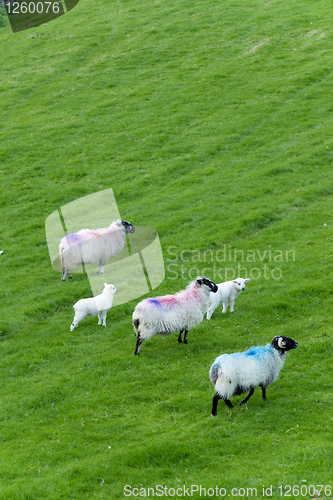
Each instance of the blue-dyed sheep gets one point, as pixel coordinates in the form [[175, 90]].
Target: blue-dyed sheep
[[234, 374]]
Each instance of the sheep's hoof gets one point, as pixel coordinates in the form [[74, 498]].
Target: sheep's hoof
[[185, 341], [180, 341]]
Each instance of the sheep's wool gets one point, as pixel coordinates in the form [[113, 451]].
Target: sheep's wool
[[88, 246], [171, 313], [233, 374]]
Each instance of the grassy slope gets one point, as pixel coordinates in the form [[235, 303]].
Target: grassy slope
[[212, 124]]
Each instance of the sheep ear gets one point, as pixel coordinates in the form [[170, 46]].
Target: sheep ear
[[105, 284], [281, 343], [199, 281], [247, 279], [234, 281]]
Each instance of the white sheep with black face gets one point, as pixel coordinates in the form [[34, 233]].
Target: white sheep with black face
[[93, 246], [171, 313], [227, 292], [234, 374]]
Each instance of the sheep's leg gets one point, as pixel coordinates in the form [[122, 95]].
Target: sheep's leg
[[232, 301], [185, 337], [100, 269], [104, 318], [210, 312], [247, 397], [216, 399], [214, 303], [263, 389], [138, 344], [76, 320], [180, 336], [225, 305], [64, 272]]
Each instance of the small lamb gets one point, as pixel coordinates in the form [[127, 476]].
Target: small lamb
[[234, 374], [227, 291], [94, 306]]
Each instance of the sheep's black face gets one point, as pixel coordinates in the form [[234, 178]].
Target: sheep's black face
[[283, 343], [202, 280], [128, 226]]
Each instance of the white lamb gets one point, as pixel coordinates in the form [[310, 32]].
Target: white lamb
[[93, 245], [233, 374], [171, 313], [94, 306], [227, 291]]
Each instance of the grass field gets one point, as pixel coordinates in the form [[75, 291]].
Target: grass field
[[212, 123]]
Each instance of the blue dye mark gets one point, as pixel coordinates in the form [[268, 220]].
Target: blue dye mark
[[257, 351], [74, 238], [155, 301]]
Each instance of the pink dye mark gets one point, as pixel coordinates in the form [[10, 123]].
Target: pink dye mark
[[168, 299]]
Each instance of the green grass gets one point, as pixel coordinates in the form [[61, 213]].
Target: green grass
[[211, 122]]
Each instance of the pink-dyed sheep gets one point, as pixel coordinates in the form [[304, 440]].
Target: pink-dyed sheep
[[171, 313], [93, 245]]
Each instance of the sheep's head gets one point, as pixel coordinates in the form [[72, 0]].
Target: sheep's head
[[240, 283], [128, 226], [202, 280], [110, 288], [282, 343]]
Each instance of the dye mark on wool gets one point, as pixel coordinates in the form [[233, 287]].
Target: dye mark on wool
[[137, 269]]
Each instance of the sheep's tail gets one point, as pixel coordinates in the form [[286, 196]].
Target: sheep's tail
[[136, 324], [214, 374]]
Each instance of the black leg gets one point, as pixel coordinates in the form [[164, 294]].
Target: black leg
[[247, 397], [63, 277], [180, 336], [216, 399], [185, 337], [263, 389], [138, 344]]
